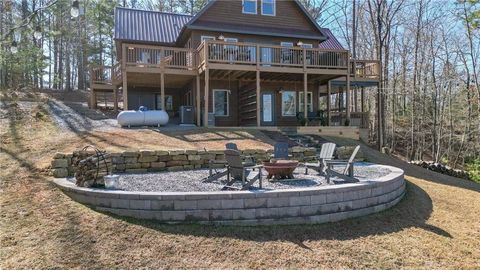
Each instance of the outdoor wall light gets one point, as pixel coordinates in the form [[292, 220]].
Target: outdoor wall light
[[221, 37], [300, 44], [75, 11]]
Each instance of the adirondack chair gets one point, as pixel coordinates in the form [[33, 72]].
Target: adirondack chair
[[349, 164], [238, 171], [326, 153], [213, 174], [248, 160], [280, 150]]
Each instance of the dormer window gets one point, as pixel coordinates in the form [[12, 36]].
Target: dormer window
[[268, 7], [249, 6]]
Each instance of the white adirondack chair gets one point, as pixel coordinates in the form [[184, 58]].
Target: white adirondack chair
[[348, 171], [326, 153]]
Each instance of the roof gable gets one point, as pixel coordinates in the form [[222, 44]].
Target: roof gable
[[291, 19]]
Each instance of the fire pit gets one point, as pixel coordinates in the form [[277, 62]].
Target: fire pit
[[281, 169]]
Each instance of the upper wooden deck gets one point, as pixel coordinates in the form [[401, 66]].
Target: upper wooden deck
[[218, 55]]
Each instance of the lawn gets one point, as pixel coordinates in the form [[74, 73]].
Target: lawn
[[436, 225]]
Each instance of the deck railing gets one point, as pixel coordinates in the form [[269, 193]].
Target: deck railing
[[366, 69], [156, 56], [357, 119], [100, 74], [271, 55]]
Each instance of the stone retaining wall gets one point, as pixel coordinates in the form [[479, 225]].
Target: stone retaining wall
[[295, 206], [143, 161]]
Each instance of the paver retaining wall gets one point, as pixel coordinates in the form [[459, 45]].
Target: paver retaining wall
[[295, 206]]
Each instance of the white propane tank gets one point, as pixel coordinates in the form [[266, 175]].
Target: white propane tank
[[155, 118], [142, 118]]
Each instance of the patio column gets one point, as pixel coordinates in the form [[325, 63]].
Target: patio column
[[115, 98], [258, 98], [162, 90], [362, 97], [305, 95], [125, 91], [329, 106], [198, 102], [207, 86], [348, 105], [93, 98]]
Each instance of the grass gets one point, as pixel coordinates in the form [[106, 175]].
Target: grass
[[437, 224]]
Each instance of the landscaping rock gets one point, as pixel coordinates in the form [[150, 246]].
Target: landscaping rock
[[60, 173], [60, 163], [179, 157], [147, 158], [158, 165]]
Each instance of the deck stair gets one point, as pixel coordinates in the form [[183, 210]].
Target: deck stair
[[247, 105], [303, 140]]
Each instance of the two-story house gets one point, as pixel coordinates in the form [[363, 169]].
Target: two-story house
[[243, 63]]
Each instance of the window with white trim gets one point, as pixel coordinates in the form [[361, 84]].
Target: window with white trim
[[249, 6], [307, 46], [221, 99], [301, 101], [268, 7], [289, 103]]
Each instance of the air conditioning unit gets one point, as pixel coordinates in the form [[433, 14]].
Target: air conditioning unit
[[187, 115]]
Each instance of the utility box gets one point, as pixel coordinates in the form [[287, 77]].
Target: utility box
[[187, 115]]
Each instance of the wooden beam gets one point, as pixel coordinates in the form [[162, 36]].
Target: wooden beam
[[162, 90], [329, 107], [125, 91], [93, 98], [258, 98], [305, 95], [362, 97], [115, 99], [207, 86], [348, 105], [198, 101]]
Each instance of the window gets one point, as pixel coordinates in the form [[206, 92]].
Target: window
[[168, 102], [203, 38], [307, 46], [249, 6], [309, 101], [221, 102], [268, 7], [289, 103], [231, 40]]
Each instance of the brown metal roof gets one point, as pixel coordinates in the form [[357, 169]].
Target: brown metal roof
[[331, 42], [148, 26], [160, 27]]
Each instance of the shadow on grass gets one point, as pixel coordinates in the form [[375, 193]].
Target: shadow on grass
[[412, 212]]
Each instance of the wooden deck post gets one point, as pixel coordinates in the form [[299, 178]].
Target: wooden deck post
[[348, 105], [305, 95], [115, 98], [258, 98], [355, 98], [124, 77], [93, 98], [198, 101], [207, 86], [362, 97], [162, 89], [329, 106]]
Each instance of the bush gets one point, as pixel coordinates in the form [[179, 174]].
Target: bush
[[473, 168]]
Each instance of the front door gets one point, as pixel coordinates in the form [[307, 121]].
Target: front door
[[267, 109]]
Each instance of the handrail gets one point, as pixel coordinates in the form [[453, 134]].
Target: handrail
[[369, 69], [160, 57]]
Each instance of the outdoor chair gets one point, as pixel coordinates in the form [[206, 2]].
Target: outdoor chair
[[248, 160], [280, 151], [213, 164], [348, 164], [326, 154], [238, 171]]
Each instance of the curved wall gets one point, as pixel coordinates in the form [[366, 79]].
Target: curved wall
[[294, 206]]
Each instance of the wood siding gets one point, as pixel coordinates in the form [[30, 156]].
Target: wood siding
[[288, 16]]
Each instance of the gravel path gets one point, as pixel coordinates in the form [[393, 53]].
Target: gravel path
[[77, 117], [192, 180]]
